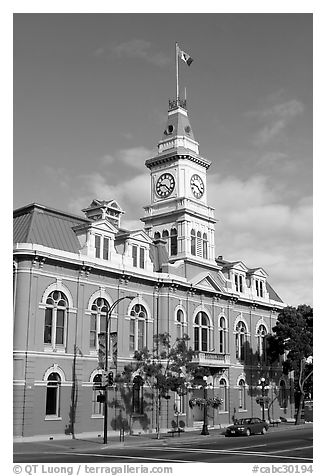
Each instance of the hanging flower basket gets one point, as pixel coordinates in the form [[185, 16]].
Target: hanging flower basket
[[214, 402]]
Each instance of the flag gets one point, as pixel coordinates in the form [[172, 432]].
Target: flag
[[185, 57]]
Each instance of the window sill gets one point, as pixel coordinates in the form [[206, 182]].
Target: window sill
[[52, 418], [97, 417], [224, 412], [242, 410], [181, 414], [55, 350]]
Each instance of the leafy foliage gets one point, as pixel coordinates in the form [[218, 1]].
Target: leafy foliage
[[214, 402], [293, 336]]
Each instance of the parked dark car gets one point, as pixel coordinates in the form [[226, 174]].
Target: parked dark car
[[247, 426]]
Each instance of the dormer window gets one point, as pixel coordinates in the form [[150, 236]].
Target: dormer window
[[138, 256], [102, 246], [238, 281], [259, 288]]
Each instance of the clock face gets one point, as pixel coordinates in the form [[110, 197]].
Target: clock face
[[197, 186], [165, 185]]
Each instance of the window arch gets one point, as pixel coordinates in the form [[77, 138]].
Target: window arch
[[99, 310], [202, 332], [224, 395], [242, 394], [138, 317], [137, 395], [52, 406], [157, 235], [222, 335], [261, 342], [240, 339], [174, 242], [180, 323], [205, 246], [97, 407], [193, 242], [55, 319]]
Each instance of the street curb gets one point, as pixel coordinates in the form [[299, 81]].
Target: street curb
[[131, 441]]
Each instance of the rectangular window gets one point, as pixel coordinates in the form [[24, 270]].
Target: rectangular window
[[134, 256], [97, 246], [106, 248], [142, 258], [132, 334], [204, 339], [141, 334], [48, 326], [257, 287], [236, 282], [92, 333], [261, 288], [240, 284], [221, 341], [60, 326], [196, 338], [52, 399], [97, 406]]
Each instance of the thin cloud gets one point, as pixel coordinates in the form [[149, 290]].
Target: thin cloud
[[256, 226], [271, 158], [137, 49], [275, 119]]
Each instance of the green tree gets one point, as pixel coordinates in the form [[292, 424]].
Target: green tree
[[293, 336], [165, 368]]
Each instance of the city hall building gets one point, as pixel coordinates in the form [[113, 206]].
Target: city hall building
[[69, 269]]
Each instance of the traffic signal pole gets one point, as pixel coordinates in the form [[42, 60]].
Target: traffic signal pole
[[106, 363]]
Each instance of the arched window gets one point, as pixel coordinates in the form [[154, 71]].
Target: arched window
[[224, 395], [181, 324], [165, 236], [174, 242], [138, 316], [201, 328], [261, 342], [199, 247], [242, 395], [222, 335], [55, 319], [205, 246], [98, 321], [193, 242], [157, 235], [240, 338], [52, 407], [137, 395], [283, 395], [97, 407]]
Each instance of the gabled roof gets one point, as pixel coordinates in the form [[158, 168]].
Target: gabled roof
[[46, 226], [207, 281]]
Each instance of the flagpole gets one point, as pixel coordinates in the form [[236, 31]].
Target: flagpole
[[177, 71]]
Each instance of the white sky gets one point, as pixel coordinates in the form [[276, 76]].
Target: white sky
[[90, 103]]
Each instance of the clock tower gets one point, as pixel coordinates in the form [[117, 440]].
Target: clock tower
[[178, 212]]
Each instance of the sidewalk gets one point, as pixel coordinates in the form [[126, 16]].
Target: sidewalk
[[93, 444]]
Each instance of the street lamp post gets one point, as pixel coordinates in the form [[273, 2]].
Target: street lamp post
[[205, 427], [106, 365], [263, 385]]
